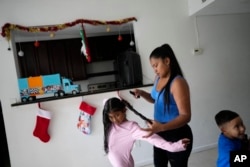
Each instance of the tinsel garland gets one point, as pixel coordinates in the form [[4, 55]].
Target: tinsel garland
[[7, 27]]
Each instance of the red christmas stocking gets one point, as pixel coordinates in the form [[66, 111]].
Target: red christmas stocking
[[84, 119], [42, 123]]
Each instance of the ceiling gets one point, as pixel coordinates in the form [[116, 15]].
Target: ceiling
[[226, 7], [215, 8]]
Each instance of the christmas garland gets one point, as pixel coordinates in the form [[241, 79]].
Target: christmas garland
[[7, 27]]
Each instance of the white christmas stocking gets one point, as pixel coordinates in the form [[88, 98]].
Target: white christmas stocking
[[42, 123], [84, 118]]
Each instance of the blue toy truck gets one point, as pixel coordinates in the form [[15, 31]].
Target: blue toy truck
[[46, 86]]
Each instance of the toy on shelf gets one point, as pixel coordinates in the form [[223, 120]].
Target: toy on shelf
[[46, 86]]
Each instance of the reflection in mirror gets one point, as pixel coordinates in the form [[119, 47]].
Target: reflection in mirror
[[42, 53]]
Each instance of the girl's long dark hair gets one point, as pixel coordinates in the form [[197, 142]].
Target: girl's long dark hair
[[165, 51], [112, 104]]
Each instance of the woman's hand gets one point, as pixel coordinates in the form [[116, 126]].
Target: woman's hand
[[155, 127], [185, 142], [137, 93], [141, 93]]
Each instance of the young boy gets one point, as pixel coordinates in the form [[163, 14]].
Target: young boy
[[232, 137]]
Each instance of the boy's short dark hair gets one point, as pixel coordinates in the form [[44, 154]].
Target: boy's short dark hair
[[225, 116]]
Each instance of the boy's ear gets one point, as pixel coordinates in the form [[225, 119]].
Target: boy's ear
[[222, 128]]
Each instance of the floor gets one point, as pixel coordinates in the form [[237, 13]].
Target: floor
[[198, 159], [201, 159]]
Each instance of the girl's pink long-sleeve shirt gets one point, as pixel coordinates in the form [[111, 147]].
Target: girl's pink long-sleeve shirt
[[122, 138]]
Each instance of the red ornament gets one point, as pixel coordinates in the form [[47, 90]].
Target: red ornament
[[36, 44], [88, 59], [119, 38]]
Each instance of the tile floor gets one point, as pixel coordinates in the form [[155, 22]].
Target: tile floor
[[201, 159]]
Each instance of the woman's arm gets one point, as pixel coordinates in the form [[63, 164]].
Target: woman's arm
[[158, 141]]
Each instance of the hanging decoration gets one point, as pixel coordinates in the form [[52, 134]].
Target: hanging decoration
[[36, 43], [8, 27], [84, 119], [85, 48], [132, 43], [43, 119], [9, 48], [119, 36], [20, 53]]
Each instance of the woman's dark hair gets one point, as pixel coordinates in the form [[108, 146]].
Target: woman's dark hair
[[165, 51], [112, 104]]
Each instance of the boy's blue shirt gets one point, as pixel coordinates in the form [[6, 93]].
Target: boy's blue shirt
[[225, 145]]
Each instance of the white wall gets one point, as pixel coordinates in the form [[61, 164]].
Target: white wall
[[219, 78], [196, 5]]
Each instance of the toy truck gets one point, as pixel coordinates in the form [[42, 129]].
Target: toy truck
[[46, 86]]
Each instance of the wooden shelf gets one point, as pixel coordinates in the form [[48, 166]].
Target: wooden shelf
[[77, 95]]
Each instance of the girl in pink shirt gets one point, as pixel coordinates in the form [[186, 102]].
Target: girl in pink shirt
[[120, 135]]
